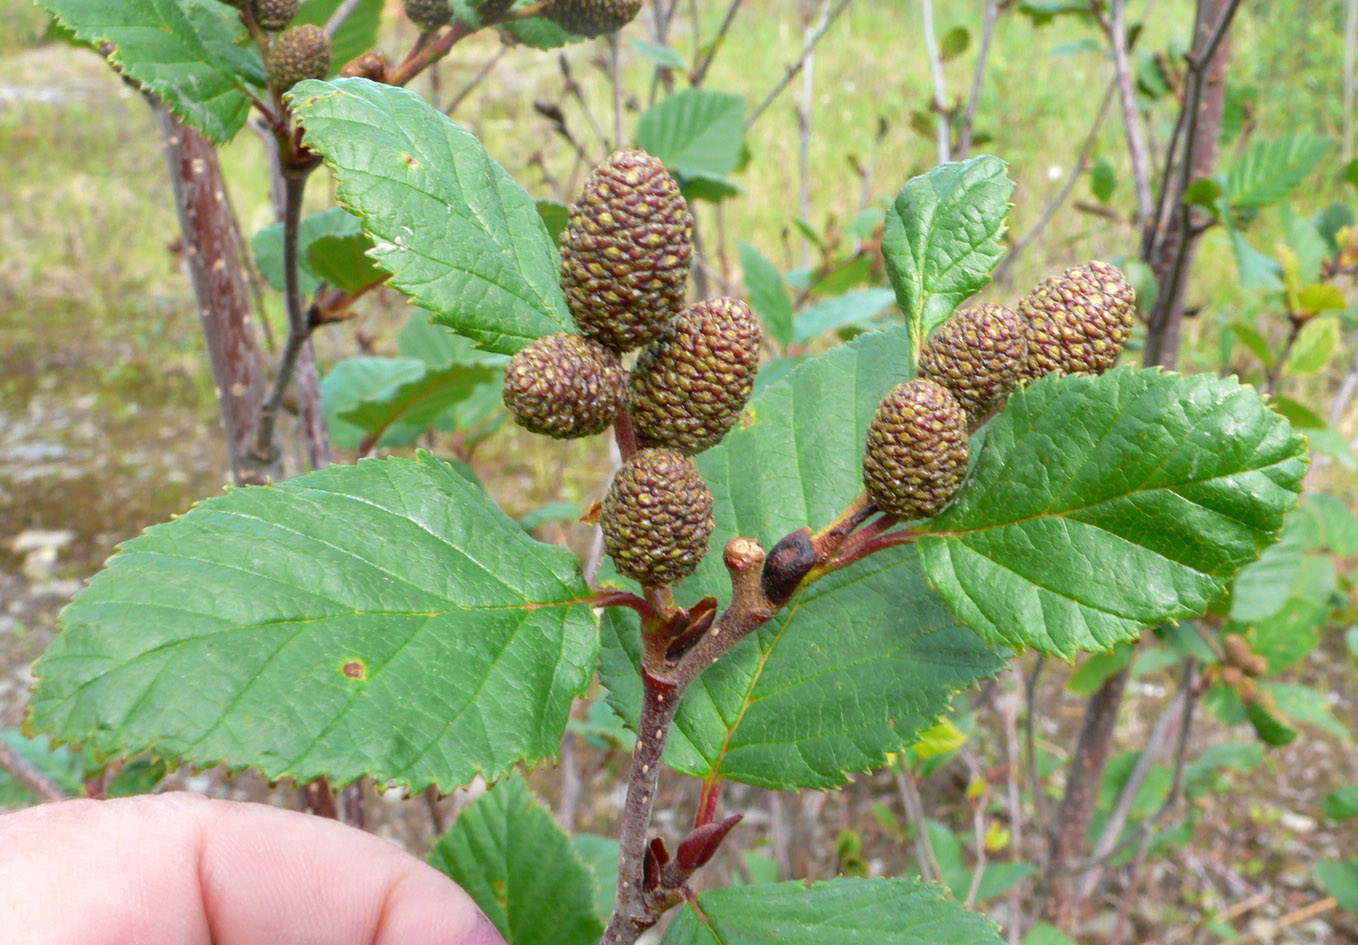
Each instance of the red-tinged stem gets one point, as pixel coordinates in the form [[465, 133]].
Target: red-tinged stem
[[613, 598], [22, 770], [707, 802], [828, 538], [625, 434], [429, 49]]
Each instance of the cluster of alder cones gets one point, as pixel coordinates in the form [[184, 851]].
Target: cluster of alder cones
[[582, 17], [625, 258], [296, 53], [916, 455]]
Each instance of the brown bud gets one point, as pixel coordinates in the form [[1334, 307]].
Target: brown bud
[[1232, 676], [1237, 650]]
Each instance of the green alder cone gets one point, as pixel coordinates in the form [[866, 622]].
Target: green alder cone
[[274, 15], [689, 388], [625, 253], [1077, 322], [593, 17], [493, 9], [978, 355], [657, 517], [916, 456], [428, 15], [565, 386], [303, 52]]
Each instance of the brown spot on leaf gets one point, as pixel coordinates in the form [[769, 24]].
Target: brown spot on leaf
[[354, 669]]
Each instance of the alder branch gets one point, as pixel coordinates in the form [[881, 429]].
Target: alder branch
[[29, 777], [700, 73], [992, 13], [476, 80], [797, 67], [943, 127], [1136, 141], [341, 14]]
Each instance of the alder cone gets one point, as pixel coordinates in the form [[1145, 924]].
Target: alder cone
[[626, 251], [689, 388], [657, 517], [978, 355], [1077, 322], [593, 17], [303, 52], [274, 15], [494, 9], [916, 456], [565, 386], [428, 15]]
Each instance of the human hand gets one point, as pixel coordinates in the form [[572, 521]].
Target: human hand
[[179, 869]]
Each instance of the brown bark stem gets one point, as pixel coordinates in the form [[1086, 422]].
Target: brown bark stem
[[22, 770], [216, 270]]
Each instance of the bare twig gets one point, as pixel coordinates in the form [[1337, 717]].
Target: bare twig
[[615, 77], [475, 81], [992, 12], [941, 113], [22, 770], [914, 813], [1350, 53], [1136, 142], [341, 14], [796, 67], [700, 73], [1347, 387], [804, 125]]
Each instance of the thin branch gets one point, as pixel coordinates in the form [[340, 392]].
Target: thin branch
[[1136, 142], [1347, 387], [700, 73], [1275, 373], [992, 13], [299, 329], [804, 132], [615, 79], [796, 67], [22, 770], [476, 80], [341, 14], [914, 813], [943, 122], [1055, 203], [1350, 54]]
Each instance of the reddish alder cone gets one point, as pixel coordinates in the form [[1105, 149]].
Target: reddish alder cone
[[979, 355], [626, 252], [303, 52], [657, 517], [916, 455], [565, 386], [689, 388], [1078, 321]]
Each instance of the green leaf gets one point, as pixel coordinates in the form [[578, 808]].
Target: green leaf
[[701, 185], [1304, 704], [954, 43], [1340, 879], [557, 216], [1314, 347], [1338, 523], [355, 381], [65, 766], [548, 513], [1253, 341], [1270, 729], [416, 401], [1262, 586], [343, 262], [660, 55], [267, 246], [1323, 438], [859, 663], [1044, 934], [1341, 803], [880, 911], [1103, 505], [1256, 270], [1320, 297], [768, 295], [384, 619], [541, 33], [1204, 192], [601, 856], [695, 131], [451, 226], [855, 307], [356, 35], [942, 239], [1044, 11], [1102, 180], [510, 856], [1099, 668], [1271, 169], [178, 49]]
